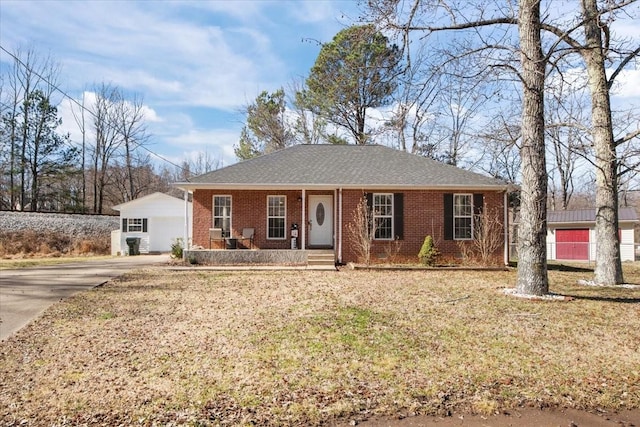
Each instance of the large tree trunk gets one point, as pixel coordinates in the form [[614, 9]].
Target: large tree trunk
[[532, 254], [608, 270]]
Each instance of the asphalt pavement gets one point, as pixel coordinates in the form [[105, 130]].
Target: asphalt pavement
[[26, 293]]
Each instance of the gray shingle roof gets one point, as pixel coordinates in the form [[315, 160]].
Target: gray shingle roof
[[346, 166], [588, 215]]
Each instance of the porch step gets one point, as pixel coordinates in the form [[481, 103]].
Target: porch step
[[321, 260]]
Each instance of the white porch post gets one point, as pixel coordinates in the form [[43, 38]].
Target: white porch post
[[303, 226], [185, 244], [506, 228], [339, 234]]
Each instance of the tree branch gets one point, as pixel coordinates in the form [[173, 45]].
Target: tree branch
[[627, 137], [463, 26], [624, 62]]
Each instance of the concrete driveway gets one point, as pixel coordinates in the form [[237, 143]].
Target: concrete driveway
[[26, 293]]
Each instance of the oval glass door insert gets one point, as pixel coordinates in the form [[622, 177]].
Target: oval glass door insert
[[320, 214]]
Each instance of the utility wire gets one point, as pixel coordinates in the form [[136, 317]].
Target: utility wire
[[82, 107]]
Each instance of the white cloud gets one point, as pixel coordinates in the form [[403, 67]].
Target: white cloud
[[186, 59], [626, 28], [627, 84], [152, 50], [313, 11], [218, 142]]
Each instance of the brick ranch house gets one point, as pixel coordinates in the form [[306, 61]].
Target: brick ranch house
[[317, 188]]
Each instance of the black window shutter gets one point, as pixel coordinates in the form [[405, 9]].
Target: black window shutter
[[448, 216], [369, 199], [144, 225], [398, 216], [478, 203], [124, 224]]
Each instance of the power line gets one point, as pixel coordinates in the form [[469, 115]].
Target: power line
[[82, 107]]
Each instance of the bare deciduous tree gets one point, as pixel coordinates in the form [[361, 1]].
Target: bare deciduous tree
[[131, 125], [361, 231], [32, 78], [487, 239], [532, 267], [107, 140], [562, 42], [79, 115], [567, 140], [501, 155]]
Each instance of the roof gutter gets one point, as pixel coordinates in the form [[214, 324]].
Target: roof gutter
[[191, 186]]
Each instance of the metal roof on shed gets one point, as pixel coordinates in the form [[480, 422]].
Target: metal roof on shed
[[588, 215]]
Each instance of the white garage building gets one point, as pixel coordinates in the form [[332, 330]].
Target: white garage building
[[157, 219], [571, 234]]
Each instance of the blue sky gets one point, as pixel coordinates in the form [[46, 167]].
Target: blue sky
[[196, 63]]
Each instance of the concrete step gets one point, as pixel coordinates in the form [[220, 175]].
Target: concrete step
[[321, 260]]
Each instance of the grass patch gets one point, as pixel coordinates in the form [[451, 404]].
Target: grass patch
[[6, 264], [310, 348]]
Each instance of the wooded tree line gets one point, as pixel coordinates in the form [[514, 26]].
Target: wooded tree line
[[41, 169]]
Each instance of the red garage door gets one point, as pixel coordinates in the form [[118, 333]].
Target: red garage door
[[572, 244]]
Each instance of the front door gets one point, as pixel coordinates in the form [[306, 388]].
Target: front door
[[320, 221]]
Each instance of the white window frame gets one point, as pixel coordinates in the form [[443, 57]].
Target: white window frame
[[225, 233], [377, 215], [463, 215], [138, 227], [283, 217]]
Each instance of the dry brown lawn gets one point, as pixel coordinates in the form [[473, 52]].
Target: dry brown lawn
[[310, 348]]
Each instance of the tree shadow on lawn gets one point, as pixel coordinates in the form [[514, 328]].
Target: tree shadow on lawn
[[561, 267], [600, 298], [569, 268]]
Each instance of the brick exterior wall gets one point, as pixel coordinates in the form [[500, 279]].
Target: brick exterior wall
[[423, 215]]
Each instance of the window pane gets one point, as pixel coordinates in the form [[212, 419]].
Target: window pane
[[383, 228], [222, 214], [276, 214], [463, 216], [462, 205], [134, 224], [462, 228], [276, 205], [383, 215], [276, 228]]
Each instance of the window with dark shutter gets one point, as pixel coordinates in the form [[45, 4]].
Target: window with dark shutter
[[134, 225], [398, 216], [462, 216], [478, 208], [478, 203], [383, 216], [448, 216]]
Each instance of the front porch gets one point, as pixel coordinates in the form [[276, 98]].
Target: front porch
[[311, 258]]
